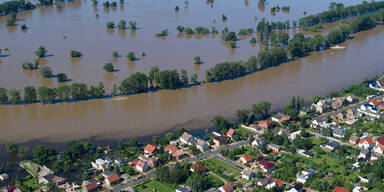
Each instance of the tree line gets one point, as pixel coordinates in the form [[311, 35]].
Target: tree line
[[338, 11], [136, 83], [15, 6], [297, 47]]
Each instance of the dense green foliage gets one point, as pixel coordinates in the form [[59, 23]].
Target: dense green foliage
[[337, 11], [46, 72], [41, 52], [197, 60], [230, 36], [31, 66], [3, 95], [75, 53], [122, 25], [136, 83], [61, 77], [131, 56], [163, 33], [15, 6], [110, 25], [108, 67], [15, 96], [42, 154], [30, 94]]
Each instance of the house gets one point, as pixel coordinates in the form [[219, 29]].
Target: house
[[247, 174], [90, 185], [340, 189], [368, 108], [141, 166], [338, 116], [187, 139], [100, 164], [274, 148], [266, 124], [285, 132], [366, 142], [226, 188], [179, 154], [11, 189], [150, 161], [202, 145], [4, 177], [353, 140], [305, 153], [220, 140], [379, 147], [170, 149], [258, 142], [296, 188], [149, 150], [199, 167], [331, 145], [246, 159], [365, 153], [351, 99], [256, 128], [322, 105], [337, 132], [350, 114], [183, 189], [305, 175], [263, 182], [338, 102], [265, 165], [112, 179], [293, 135], [271, 184], [53, 179], [281, 118], [230, 132], [279, 183]]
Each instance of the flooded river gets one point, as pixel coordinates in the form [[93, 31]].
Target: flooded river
[[151, 113]]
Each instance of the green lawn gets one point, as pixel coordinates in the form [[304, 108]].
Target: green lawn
[[154, 186], [222, 169], [216, 181]]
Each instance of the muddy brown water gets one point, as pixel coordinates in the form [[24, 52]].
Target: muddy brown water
[[152, 113]]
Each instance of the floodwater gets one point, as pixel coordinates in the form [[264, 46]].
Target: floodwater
[[152, 113]]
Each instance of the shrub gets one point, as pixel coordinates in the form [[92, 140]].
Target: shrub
[[131, 56], [23, 27], [74, 53], [61, 77], [108, 67], [110, 25], [197, 60]]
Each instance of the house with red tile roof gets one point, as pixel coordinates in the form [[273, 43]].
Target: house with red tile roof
[[246, 159], [149, 150], [112, 179], [141, 166], [265, 165], [279, 183], [366, 142], [230, 132], [199, 167], [267, 124], [90, 185], [340, 189], [281, 118], [379, 147], [226, 188], [171, 149], [179, 154]]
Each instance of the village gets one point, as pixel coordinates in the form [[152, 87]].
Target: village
[[334, 144]]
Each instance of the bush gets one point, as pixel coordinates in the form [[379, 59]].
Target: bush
[[108, 67], [75, 53], [122, 25], [61, 77], [197, 60], [131, 56], [163, 33], [23, 27], [110, 25], [115, 54], [46, 72]]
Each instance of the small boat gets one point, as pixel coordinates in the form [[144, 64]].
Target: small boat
[[119, 98], [338, 47]]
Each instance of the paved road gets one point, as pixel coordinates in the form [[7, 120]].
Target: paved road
[[212, 153]]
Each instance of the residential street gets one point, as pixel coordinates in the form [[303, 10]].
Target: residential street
[[213, 153]]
